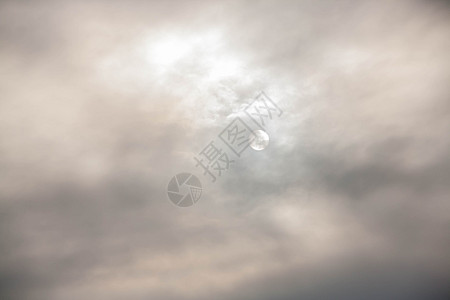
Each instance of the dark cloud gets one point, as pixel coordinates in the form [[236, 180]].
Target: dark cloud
[[103, 102]]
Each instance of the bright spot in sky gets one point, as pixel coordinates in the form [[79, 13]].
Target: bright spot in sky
[[168, 51], [207, 54], [224, 67], [259, 140]]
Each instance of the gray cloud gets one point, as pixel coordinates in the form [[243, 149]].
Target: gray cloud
[[349, 201]]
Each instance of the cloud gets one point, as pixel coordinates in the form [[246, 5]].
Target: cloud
[[102, 103]]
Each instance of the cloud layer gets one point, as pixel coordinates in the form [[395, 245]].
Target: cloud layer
[[103, 102]]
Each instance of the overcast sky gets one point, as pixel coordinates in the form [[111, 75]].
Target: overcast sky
[[102, 102]]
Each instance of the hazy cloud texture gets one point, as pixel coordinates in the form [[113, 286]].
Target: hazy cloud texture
[[102, 102]]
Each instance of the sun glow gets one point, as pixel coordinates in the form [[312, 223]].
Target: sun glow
[[206, 54], [168, 51], [224, 68]]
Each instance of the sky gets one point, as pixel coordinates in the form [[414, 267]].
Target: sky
[[103, 102]]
